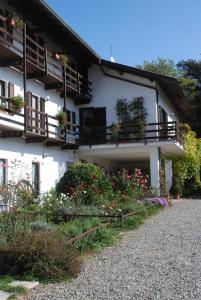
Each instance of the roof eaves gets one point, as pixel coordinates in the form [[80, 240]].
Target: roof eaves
[[67, 27]]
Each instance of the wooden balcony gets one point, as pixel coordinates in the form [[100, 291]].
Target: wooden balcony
[[128, 133], [35, 126], [11, 44], [40, 64]]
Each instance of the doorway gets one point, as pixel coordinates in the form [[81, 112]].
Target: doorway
[[36, 114], [93, 125]]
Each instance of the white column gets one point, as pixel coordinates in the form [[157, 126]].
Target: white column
[[154, 167], [168, 173]]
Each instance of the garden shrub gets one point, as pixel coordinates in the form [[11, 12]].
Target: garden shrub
[[43, 255], [130, 184], [12, 224], [97, 240], [86, 184], [40, 226], [76, 227]]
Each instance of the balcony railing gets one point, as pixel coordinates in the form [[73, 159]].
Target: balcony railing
[[128, 133], [34, 124], [40, 62]]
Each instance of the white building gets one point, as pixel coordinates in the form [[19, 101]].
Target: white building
[[32, 145]]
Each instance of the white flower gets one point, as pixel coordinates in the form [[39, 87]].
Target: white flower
[[119, 209], [85, 192]]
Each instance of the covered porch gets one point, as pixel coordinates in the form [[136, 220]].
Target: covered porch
[[134, 155]]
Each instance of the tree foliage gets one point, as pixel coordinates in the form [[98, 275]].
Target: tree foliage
[[162, 66], [188, 73]]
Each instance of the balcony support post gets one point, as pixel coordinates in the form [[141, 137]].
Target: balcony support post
[[154, 154], [25, 75], [65, 104]]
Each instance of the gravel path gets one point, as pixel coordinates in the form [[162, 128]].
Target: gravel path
[[160, 260]]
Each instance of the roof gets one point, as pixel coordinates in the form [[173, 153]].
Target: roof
[[44, 16], [170, 85]]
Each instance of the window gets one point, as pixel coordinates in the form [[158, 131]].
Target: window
[[36, 177], [3, 171], [2, 88], [71, 118]]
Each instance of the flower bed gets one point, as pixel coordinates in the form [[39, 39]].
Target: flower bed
[[73, 213]]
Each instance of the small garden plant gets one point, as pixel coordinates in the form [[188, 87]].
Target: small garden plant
[[17, 103]]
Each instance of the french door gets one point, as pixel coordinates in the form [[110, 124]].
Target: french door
[[36, 114], [93, 125]]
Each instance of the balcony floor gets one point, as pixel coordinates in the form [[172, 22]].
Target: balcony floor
[[129, 151], [9, 56]]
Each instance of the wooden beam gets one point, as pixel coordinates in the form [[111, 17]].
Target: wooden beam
[[25, 72], [36, 75], [11, 134], [11, 62], [53, 86]]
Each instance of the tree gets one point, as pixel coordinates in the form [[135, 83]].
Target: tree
[[188, 73], [162, 66], [191, 84]]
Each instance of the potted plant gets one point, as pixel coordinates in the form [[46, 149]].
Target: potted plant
[[176, 189], [64, 59], [17, 103], [62, 119], [114, 133], [16, 21]]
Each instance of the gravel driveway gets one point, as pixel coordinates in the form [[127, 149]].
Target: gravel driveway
[[160, 260]]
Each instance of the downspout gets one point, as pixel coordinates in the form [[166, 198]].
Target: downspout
[[133, 82]]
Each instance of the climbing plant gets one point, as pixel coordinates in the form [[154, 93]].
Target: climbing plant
[[132, 114], [188, 167]]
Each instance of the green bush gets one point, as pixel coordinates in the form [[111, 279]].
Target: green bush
[[40, 226], [12, 224], [176, 188], [97, 240], [43, 255], [86, 184]]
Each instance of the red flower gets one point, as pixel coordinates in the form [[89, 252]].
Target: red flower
[[94, 177]]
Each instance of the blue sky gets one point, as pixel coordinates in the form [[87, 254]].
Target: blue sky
[[138, 30]]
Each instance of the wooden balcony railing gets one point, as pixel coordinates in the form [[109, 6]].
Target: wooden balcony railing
[[34, 123], [40, 62], [128, 133]]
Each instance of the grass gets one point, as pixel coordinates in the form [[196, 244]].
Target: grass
[[5, 286], [108, 236]]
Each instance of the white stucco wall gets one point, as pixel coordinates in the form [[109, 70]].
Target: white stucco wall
[[107, 90], [52, 161]]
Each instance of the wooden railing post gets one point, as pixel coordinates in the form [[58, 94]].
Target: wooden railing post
[[78, 82], [65, 104], [46, 62], [25, 75], [47, 128]]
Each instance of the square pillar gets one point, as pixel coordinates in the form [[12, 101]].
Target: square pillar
[[155, 167], [168, 173]]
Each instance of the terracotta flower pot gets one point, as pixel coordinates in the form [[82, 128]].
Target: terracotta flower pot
[[176, 196], [12, 22], [56, 56]]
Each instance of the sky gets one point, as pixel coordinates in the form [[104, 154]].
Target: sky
[[137, 30]]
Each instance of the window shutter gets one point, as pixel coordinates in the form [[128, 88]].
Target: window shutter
[[74, 121], [28, 112], [6, 171], [10, 94], [3, 88], [68, 119], [42, 116], [29, 99]]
